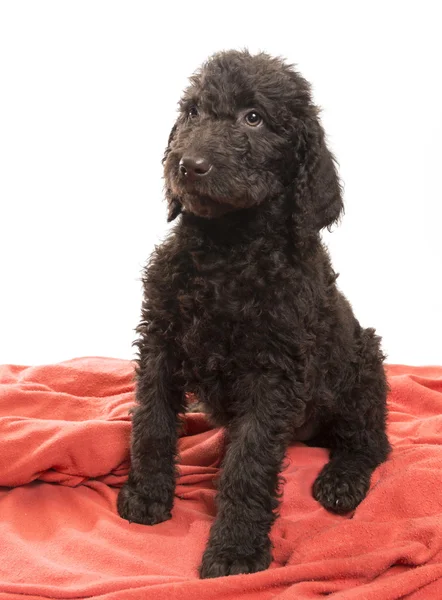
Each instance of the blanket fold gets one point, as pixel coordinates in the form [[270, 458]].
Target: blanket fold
[[64, 435]]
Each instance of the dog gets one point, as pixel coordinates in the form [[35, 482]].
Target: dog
[[241, 309]]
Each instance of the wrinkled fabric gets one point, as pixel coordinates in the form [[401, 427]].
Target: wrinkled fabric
[[64, 451]]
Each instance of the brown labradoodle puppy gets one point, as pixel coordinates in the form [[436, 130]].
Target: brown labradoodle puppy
[[241, 308]]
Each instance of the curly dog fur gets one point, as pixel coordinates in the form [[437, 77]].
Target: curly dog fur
[[241, 308]]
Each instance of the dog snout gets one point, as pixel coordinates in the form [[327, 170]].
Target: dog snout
[[194, 167]]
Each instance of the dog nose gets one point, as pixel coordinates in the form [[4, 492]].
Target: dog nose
[[194, 166]]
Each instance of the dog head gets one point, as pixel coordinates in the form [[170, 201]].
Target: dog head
[[248, 132]]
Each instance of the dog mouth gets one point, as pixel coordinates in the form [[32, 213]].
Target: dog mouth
[[205, 206], [199, 201], [209, 198]]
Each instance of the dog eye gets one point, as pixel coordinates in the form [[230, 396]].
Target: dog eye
[[253, 118], [193, 112]]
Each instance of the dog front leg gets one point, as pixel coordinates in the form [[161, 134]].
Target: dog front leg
[[239, 539], [148, 495]]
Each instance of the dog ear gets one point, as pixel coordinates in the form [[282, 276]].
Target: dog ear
[[174, 204], [174, 207], [169, 142], [317, 190]]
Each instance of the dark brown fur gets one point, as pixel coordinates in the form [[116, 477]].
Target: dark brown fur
[[241, 308]]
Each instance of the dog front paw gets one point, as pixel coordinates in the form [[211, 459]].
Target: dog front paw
[[137, 508], [218, 562], [340, 489]]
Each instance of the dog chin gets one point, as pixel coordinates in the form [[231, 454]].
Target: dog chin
[[204, 206]]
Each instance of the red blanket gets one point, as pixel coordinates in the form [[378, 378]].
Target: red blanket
[[64, 435]]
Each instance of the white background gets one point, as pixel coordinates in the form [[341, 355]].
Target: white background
[[88, 93]]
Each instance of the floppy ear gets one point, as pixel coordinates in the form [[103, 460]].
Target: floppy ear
[[174, 204], [169, 142], [174, 207], [317, 192]]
